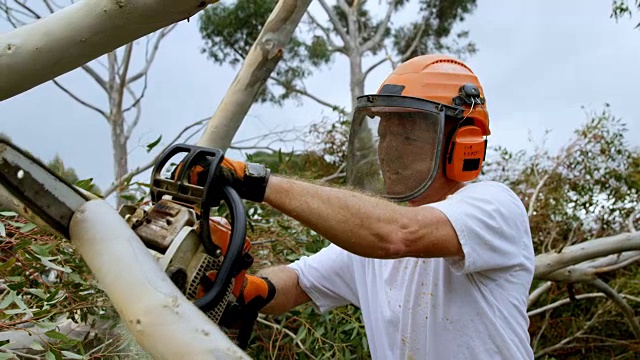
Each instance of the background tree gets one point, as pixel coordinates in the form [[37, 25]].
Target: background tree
[[114, 74], [361, 31]]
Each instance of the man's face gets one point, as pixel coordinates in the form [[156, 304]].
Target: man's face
[[407, 150]]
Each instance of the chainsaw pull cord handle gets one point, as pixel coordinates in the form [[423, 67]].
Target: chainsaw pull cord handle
[[229, 265]]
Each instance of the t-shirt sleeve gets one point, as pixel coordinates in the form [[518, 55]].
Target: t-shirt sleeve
[[328, 278], [492, 226]]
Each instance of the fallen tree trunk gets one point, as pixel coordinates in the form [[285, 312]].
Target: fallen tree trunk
[[38, 52], [164, 322]]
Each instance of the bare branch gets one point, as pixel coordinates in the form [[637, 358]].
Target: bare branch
[[150, 164], [631, 219], [82, 102], [95, 76], [288, 332], [619, 301], [297, 90], [138, 107], [578, 297], [327, 34], [161, 35], [382, 28], [550, 262], [570, 149], [415, 43], [538, 292], [372, 67], [338, 174], [122, 77], [565, 341], [28, 9], [348, 44], [49, 7]]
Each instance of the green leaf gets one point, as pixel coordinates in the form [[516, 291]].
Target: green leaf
[[8, 264], [36, 346], [154, 144], [71, 355], [42, 250], [8, 213], [7, 299], [49, 356], [6, 356], [46, 262], [56, 335], [3, 231], [27, 227], [84, 184], [45, 324], [37, 292]]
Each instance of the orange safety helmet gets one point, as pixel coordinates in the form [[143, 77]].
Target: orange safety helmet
[[406, 120], [445, 80]]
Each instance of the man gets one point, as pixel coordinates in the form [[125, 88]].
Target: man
[[446, 277]]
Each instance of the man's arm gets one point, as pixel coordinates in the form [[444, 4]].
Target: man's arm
[[364, 225], [289, 294]]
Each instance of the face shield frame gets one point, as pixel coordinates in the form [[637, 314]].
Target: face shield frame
[[404, 103]]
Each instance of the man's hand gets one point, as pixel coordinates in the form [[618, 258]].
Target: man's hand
[[248, 179]]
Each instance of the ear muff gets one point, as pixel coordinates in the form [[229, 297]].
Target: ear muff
[[466, 153]]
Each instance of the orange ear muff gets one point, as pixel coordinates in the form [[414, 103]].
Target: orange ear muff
[[466, 154]]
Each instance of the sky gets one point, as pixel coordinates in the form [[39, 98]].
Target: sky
[[543, 65]]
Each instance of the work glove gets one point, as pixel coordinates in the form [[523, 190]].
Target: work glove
[[249, 180], [252, 294]]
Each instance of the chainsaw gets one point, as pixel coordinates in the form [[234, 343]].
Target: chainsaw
[[206, 257]]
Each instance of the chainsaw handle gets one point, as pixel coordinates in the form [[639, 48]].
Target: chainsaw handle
[[236, 242]]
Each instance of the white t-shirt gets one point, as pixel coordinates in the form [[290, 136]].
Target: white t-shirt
[[435, 308]]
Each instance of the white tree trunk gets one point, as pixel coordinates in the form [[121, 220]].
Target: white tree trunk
[[49, 47], [263, 57], [164, 322]]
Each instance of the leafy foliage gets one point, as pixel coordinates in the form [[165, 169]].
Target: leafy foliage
[[588, 190], [229, 31], [620, 8], [47, 291]]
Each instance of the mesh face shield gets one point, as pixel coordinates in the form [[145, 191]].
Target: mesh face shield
[[397, 144]]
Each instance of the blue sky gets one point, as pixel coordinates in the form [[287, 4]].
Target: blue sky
[[540, 63]]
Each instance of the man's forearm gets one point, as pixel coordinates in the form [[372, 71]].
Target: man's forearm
[[358, 223], [289, 294]]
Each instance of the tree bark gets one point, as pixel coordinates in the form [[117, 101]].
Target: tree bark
[[49, 47], [165, 324], [263, 57]]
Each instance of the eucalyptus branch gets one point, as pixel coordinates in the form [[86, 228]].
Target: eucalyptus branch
[[138, 108], [95, 76], [140, 169], [288, 332], [49, 7], [28, 9], [82, 102], [570, 338], [337, 26], [149, 60], [415, 42], [327, 35], [570, 149], [382, 28], [631, 220], [338, 174], [122, 76], [619, 301], [578, 297], [375, 65], [538, 292]]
